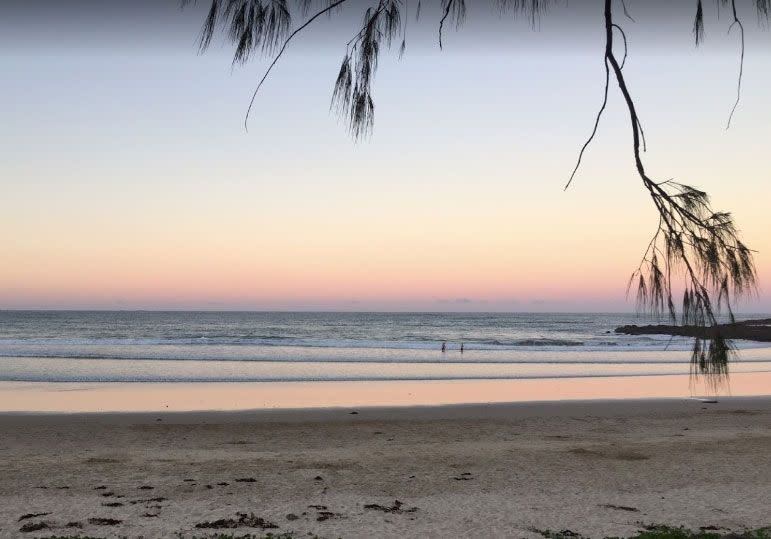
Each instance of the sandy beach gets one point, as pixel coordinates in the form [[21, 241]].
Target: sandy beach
[[598, 468], [294, 269]]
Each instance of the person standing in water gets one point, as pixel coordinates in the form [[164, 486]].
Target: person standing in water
[[461, 348], [444, 346]]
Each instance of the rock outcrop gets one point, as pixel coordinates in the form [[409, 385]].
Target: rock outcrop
[[752, 330]]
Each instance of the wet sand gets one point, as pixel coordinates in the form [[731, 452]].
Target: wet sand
[[201, 396], [498, 470]]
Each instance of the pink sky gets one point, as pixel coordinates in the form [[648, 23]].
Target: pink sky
[[128, 181]]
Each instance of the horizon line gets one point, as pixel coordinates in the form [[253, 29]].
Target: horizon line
[[333, 311]]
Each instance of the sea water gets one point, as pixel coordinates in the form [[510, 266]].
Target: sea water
[[140, 346]]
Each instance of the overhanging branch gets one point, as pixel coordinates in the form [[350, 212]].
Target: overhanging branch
[[738, 23]]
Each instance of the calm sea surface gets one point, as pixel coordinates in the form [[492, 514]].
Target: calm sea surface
[[232, 346]]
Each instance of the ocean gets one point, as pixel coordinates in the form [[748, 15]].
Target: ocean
[[148, 346]]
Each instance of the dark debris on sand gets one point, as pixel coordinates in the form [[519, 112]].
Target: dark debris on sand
[[157, 499], [34, 527], [327, 515], [244, 520], [322, 513], [563, 534], [32, 515], [396, 507], [620, 507], [100, 521]]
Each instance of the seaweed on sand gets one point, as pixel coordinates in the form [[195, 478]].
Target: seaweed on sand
[[244, 520]]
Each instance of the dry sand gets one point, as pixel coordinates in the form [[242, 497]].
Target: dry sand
[[598, 468]]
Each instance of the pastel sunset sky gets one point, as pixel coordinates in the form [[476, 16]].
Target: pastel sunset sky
[[128, 180]]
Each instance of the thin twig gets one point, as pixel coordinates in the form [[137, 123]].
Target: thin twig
[[596, 124], [327, 9], [626, 13], [737, 22], [444, 17], [626, 45]]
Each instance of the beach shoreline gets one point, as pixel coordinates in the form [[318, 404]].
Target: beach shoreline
[[73, 397], [596, 467]]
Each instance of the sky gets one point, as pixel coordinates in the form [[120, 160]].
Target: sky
[[129, 182]]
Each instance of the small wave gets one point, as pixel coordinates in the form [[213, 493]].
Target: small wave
[[546, 342], [241, 346]]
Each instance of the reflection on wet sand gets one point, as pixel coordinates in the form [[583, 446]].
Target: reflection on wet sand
[[135, 397]]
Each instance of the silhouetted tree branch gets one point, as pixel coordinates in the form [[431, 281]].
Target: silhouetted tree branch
[[691, 237], [692, 241], [738, 23], [596, 125]]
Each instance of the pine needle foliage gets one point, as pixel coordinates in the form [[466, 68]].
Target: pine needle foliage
[[698, 24], [702, 246], [694, 249]]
